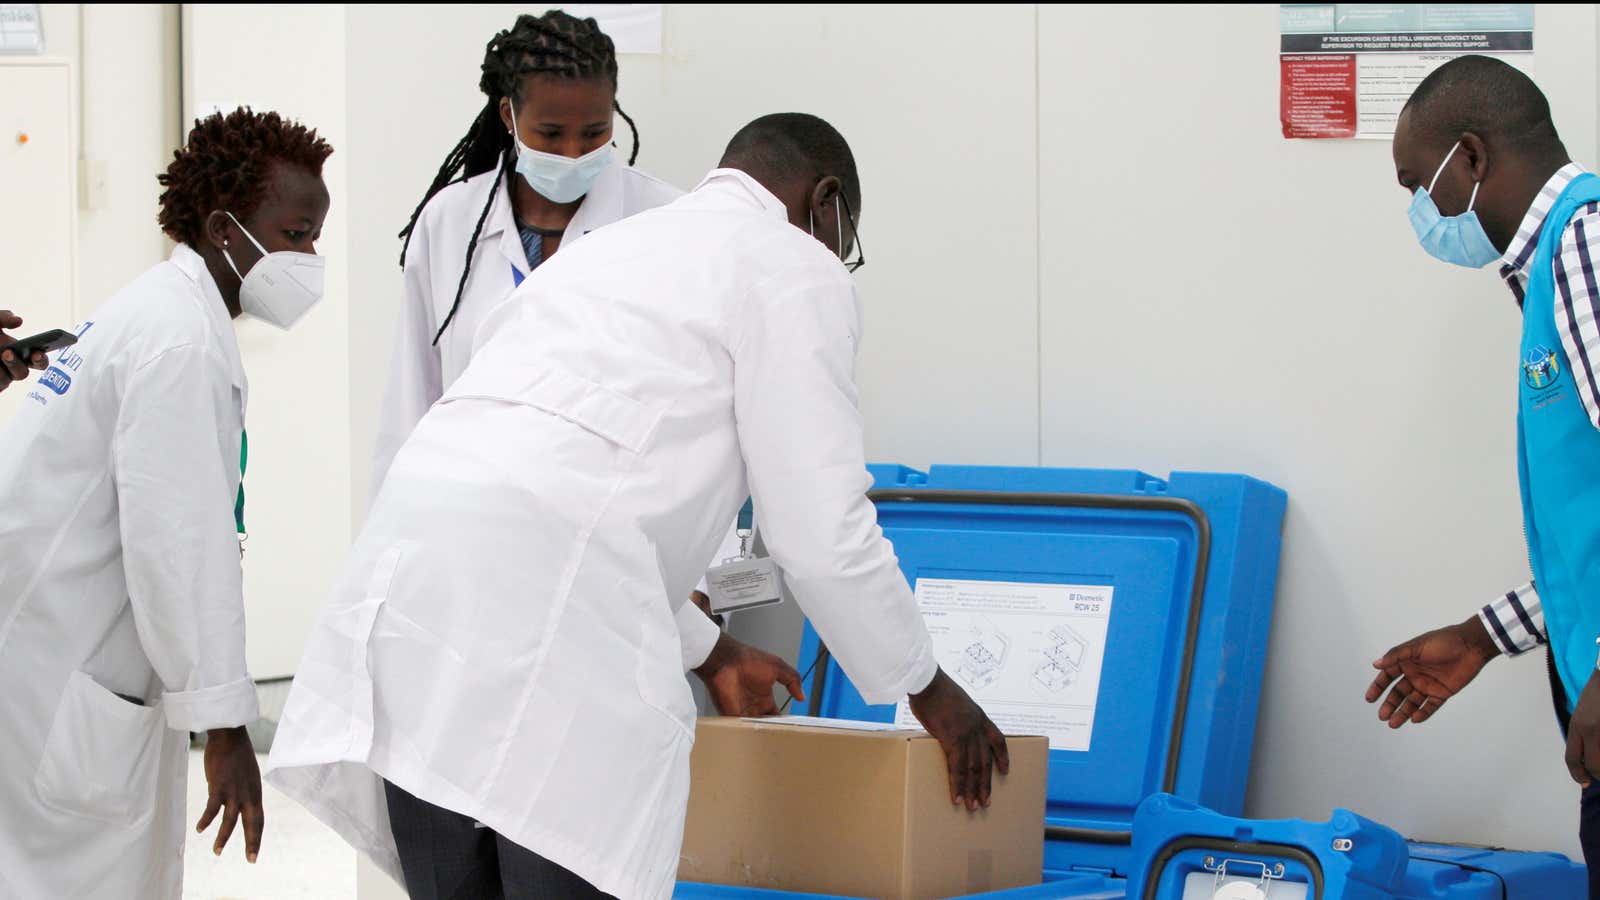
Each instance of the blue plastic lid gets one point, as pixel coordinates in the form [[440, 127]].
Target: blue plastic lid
[[1151, 543]]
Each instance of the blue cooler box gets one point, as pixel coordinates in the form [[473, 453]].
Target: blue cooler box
[[1183, 851], [1192, 563]]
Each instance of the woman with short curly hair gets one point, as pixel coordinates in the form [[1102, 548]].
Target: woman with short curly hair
[[121, 603]]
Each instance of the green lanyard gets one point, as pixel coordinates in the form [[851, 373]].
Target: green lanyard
[[238, 505]]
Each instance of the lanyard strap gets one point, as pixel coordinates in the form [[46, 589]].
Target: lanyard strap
[[745, 526], [238, 505]]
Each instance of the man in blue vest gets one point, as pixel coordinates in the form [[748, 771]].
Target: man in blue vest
[[1491, 182]]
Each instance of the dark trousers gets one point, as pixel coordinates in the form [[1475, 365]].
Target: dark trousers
[[1589, 836], [1589, 805], [446, 856]]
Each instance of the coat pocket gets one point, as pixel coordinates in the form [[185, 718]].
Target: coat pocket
[[102, 758], [658, 674]]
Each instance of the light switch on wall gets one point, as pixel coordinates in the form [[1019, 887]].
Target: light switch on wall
[[94, 176]]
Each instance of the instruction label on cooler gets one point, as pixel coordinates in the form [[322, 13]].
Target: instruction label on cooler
[[1029, 654]]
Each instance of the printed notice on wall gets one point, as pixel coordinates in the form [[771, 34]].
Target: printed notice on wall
[[632, 27], [1346, 69], [20, 31], [1029, 654]]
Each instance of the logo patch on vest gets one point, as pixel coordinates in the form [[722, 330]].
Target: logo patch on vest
[[1541, 368]]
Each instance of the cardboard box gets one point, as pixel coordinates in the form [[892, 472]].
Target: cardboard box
[[858, 813]]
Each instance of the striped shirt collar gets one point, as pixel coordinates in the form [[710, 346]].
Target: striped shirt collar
[[1515, 261]]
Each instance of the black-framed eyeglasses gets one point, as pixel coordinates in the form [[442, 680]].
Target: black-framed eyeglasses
[[861, 258]]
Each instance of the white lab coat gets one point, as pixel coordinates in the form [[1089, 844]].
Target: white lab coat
[[119, 574], [419, 370], [502, 642]]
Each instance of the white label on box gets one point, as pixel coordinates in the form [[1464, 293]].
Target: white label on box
[[840, 724], [1029, 654]]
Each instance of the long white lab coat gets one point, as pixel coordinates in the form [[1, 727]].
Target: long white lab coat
[[419, 370], [502, 642], [119, 574]]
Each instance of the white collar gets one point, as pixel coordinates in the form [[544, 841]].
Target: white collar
[[1526, 240], [193, 267], [601, 206], [736, 181]]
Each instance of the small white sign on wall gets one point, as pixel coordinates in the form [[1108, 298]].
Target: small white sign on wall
[[633, 27], [20, 31]]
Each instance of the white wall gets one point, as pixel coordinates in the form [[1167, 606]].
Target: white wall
[[126, 118], [1097, 250]]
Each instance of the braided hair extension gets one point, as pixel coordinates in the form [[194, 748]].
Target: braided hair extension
[[555, 44]]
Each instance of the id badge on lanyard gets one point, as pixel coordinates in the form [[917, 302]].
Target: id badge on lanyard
[[745, 581]]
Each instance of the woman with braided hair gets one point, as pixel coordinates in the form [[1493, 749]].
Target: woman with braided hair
[[535, 172]]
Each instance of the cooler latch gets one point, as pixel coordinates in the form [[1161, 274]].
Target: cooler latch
[[1222, 889]]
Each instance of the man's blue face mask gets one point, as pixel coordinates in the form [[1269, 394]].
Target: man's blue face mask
[[1453, 239]]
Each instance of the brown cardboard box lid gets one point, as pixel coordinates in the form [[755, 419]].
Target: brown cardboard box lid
[[855, 809]]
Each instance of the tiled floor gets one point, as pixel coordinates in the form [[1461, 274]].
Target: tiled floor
[[301, 859]]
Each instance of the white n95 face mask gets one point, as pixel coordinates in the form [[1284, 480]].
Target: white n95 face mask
[[281, 287], [556, 177]]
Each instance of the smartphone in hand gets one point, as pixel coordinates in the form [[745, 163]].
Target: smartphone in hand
[[43, 342]]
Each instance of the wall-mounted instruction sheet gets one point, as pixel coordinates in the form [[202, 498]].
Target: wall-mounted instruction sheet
[[20, 31], [1029, 654], [1346, 69], [632, 27]]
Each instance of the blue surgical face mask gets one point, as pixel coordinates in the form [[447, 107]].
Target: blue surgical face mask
[[559, 178], [1452, 239]]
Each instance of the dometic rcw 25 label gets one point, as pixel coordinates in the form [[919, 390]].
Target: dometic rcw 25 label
[[1029, 654]]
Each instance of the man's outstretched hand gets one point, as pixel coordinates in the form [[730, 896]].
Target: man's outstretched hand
[[740, 679], [1428, 670]]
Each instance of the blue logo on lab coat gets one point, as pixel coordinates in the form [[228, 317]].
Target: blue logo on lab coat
[[56, 380], [1540, 368]]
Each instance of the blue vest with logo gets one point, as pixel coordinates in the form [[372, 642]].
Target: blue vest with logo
[[1558, 461]]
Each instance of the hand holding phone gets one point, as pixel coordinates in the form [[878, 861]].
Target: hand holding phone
[[16, 357], [31, 350]]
